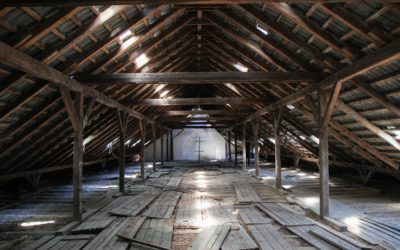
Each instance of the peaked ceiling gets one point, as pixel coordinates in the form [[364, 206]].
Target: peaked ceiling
[[307, 36]]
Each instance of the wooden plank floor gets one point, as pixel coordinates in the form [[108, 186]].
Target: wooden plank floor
[[225, 209]]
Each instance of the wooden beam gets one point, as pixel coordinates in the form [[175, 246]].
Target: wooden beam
[[277, 126], [59, 3], [171, 141], [162, 147], [256, 133], [154, 133], [229, 146], [369, 125], [123, 120], [142, 127], [197, 112], [78, 161], [385, 55], [16, 59], [198, 77], [244, 147], [236, 149], [195, 101]]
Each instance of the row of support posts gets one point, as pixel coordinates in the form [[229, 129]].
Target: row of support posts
[[78, 114], [322, 111]]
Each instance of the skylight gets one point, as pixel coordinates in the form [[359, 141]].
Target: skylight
[[141, 60], [125, 35], [240, 67], [314, 139], [290, 106], [262, 29]]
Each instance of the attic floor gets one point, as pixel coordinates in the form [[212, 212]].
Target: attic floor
[[184, 205]]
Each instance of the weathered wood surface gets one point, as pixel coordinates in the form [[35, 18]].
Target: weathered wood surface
[[245, 192], [133, 205], [95, 223], [107, 238], [210, 238], [268, 237], [189, 211], [164, 206], [283, 216], [238, 238], [174, 182], [130, 227], [252, 215], [199, 77], [66, 242], [157, 232]]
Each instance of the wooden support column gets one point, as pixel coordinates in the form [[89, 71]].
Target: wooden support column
[[236, 149], [167, 146], [154, 132], [226, 146], [326, 105], [162, 147], [142, 128], [277, 127], [76, 116], [171, 141], [244, 146], [256, 130], [123, 120], [229, 147]]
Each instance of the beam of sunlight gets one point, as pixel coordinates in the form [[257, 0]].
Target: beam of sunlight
[[36, 223]]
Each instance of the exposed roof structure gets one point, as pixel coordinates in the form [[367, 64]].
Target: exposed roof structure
[[299, 46]]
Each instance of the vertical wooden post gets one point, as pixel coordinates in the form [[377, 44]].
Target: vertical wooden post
[[154, 146], [76, 116], [122, 124], [162, 146], [326, 105], [142, 143], [167, 146], [277, 126], [226, 146], [256, 129], [244, 146], [236, 149], [229, 147], [172, 145]]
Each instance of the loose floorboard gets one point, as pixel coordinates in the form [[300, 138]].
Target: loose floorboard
[[94, 223], [246, 193], [210, 238], [268, 237], [164, 206], [133, 205], [157, 232]]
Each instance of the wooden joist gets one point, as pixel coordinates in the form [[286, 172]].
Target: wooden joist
[[194, 101], [199, 77], [23, 62]]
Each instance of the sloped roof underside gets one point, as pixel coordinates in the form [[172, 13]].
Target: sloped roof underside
[[35, 130]]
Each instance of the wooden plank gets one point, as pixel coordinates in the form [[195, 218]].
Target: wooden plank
[[174, 182], [164, 206], [268, 237], [67, 242], [335, 241], [304, 233], [188, 214], [130, 227], [157, 232], [238, 238], [251, 215], [245, 192], [107, 238], [133, 205], [94, 223], [210, 238], [282, 215]]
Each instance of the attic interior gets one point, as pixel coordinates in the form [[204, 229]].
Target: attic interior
[[133, 124]]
